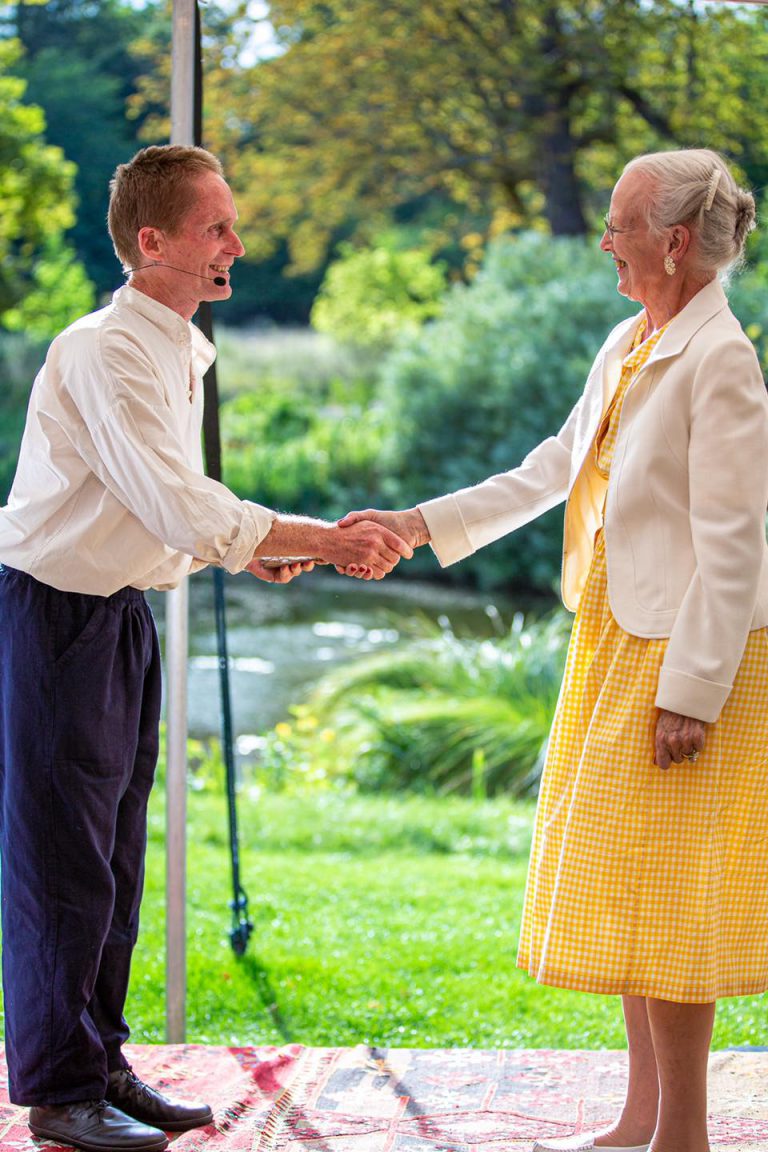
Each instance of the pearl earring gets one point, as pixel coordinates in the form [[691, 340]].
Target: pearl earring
[[669, 266]]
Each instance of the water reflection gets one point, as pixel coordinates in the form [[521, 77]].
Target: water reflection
[[282, 639]]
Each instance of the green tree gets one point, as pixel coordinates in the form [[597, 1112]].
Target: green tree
[[371, 296], [516, 108], [82, 63], [36, 198], [59, 291]]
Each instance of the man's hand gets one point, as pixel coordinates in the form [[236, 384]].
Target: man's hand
[[408, 524], [282, 575], [678, 739], [362, 545]]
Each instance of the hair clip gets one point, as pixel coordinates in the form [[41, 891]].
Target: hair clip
[[714, 180]]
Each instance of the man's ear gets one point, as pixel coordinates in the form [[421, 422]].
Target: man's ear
[[150, 242]]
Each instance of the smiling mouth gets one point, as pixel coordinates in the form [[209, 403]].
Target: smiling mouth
[[220, 267], [619, 263]]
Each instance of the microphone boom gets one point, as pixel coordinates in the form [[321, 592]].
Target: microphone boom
[[219, 281]]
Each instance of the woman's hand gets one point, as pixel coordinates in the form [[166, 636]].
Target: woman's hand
[[678, 738], [409, 525]]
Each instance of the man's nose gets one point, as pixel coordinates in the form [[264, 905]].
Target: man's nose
[[235, 245]]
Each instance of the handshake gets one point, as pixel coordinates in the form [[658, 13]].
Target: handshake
[[365, 544]]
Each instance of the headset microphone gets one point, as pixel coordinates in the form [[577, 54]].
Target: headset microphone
[[220, 281]]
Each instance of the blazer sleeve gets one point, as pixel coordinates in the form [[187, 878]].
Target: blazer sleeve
[[728, 494], [466, 520]]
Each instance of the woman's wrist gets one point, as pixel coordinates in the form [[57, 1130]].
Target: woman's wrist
[[418, 532]]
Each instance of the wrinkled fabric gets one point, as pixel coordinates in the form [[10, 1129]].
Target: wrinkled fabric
[[79, 714], [110, 489]]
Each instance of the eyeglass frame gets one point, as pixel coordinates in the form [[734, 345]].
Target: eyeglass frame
[[611, 230]]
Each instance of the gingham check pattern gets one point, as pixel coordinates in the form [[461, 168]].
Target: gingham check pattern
[[644, 882], [605, 440]]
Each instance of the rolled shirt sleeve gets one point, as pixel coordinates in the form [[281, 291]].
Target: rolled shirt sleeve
[[142, 464], [110, 488]]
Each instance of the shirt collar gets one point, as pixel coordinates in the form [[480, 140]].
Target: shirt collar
[[640, 350], [181, 331]]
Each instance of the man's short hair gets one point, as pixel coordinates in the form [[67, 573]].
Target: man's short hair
[[155, 189]]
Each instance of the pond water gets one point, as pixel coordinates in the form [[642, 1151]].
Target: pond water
[[282, 639]]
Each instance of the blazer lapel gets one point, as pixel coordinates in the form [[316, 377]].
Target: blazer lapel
[[615, 351], [705, 304]]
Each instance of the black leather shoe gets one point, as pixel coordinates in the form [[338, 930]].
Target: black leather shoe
[[96, 1127], [137, 1099]]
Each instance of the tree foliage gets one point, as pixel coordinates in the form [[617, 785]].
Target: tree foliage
[[82, 62], [36, 198], [372, 296], [519, 109], [58, 291]]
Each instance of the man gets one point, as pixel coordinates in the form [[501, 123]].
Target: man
[[110, 499]]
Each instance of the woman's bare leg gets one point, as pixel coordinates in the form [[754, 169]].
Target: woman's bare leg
[[637, 1121], [681, 1037]]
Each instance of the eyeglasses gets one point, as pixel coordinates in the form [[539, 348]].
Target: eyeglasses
[[611, 230]]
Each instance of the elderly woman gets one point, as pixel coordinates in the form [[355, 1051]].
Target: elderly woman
[[649, 870]]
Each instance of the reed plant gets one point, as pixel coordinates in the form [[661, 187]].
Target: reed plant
[[440, 713]]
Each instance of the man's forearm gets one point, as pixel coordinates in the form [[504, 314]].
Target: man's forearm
[[296, 536]]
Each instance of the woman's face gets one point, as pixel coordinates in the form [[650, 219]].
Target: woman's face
[[637, 253]]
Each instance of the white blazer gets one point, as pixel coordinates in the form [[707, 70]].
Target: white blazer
[[684, 507]]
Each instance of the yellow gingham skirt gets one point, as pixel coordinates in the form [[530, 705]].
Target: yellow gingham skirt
[[643, 882]]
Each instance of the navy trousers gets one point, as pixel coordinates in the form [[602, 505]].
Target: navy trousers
[[79, 716]]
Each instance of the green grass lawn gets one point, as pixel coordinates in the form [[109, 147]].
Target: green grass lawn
[[386, 922]]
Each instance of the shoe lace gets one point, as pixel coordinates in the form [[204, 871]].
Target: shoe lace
[[95, 1107], [138, 1084]]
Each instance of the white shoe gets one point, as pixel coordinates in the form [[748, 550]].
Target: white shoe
[[583, 1143]]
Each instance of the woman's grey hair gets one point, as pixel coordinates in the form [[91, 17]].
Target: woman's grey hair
[[694, 186]]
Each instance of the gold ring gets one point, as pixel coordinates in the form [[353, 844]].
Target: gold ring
[[692, 756]]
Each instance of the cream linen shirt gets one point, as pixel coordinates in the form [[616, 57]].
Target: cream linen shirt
[[683, 510], [110, 490]]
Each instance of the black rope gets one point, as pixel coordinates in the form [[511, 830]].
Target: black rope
[[241, 925]]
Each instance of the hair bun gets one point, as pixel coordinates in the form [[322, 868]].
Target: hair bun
[[745, 216]]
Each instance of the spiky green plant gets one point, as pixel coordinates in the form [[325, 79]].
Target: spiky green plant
[[441, 713]]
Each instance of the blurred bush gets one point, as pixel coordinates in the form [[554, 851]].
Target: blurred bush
[[296, 361], [20, 360], [748, 295], [58, 292], [282, 451], [372, 297], [497, 373]]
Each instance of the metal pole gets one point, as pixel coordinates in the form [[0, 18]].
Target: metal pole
[[177, 617]]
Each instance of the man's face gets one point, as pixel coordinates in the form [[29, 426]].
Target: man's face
[[205, 244]]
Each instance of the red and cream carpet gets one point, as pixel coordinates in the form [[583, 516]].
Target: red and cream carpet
[[298, 1099]]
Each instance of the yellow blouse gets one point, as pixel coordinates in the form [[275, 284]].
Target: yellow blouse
[[605, 440]]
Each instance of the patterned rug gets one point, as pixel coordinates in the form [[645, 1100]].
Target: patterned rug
[[298, 1099]]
